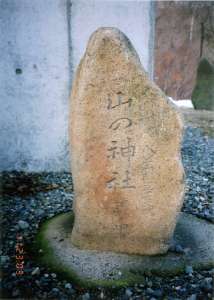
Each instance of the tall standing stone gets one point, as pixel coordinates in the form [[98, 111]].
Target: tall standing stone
[[125, 148]]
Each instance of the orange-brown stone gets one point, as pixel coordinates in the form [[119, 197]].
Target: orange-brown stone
[[125, 152]]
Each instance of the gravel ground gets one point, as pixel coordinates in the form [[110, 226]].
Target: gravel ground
[[29, 199]]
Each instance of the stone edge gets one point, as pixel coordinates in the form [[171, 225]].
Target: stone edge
[[50, 260]]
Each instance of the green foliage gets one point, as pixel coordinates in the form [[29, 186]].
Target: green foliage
[[203, 93]]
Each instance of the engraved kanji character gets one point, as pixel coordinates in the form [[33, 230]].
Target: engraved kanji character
[[119, 101], [117, 123], [113, 150], [126, 181], [129, 150], [126, 151], [112, 182]]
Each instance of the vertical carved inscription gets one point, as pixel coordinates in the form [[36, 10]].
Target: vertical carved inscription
[[119, 149]]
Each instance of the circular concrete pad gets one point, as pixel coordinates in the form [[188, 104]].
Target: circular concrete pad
[[93, 267]]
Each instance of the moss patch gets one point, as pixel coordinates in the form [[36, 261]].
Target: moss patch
[[91, 268], [50, 260]]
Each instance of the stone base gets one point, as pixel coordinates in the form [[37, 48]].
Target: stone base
[[108, 268]]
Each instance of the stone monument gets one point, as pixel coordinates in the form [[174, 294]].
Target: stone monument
[[127, 175], [125, 148]]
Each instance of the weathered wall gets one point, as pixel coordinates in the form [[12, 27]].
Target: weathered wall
[[34, 84], [184, 34], [41, 45]]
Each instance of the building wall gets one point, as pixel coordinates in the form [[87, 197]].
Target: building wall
[[184, 33], [34, 84], [41, 45], [134, 18]]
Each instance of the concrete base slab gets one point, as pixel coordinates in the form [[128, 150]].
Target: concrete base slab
[[107, 268]]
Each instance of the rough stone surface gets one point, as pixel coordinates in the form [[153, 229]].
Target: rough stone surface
[[125, 148], [194, 235], [203, 94]]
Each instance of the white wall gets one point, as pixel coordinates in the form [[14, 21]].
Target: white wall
[[33, 123], [45, 39], [134, 18]]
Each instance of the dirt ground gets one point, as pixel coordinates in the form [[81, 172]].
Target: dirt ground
[[203, 119]]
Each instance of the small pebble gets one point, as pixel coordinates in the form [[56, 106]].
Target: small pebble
[[55, 290], [23, 225], [4, 259], [68, 286], [206, 284], [179, 249], [128, 292], [149, 291], [189, 270], [158, 293], [149, 283], [36, 271], [86, 296], [192, 297], [53, 275]]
